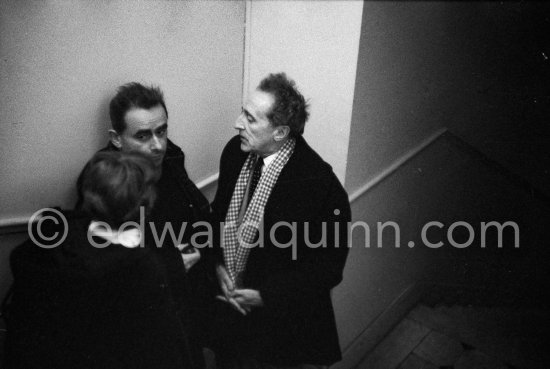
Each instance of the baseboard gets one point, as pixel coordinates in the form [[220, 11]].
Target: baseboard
[[396, 164], [381, 326]]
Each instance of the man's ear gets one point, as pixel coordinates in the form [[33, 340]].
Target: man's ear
[[281, 132], [115, 138]]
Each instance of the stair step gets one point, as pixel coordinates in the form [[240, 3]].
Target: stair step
[[511, 336]]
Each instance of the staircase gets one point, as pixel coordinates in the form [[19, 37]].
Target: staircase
[[465, 337], [482, 307]]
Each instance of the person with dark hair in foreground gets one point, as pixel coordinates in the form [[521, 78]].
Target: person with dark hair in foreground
[[284, 243], [97, 300], [139, 120]]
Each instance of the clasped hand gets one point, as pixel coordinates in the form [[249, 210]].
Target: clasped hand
[[242, 300], [189, 258]]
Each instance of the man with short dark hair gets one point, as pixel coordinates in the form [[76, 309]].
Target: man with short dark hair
[[284, 243], [139, 121]]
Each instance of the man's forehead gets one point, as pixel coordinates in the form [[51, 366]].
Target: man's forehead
[[138, 119], [259, 103]]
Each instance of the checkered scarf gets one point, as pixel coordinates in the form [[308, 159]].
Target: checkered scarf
[[239, 238]]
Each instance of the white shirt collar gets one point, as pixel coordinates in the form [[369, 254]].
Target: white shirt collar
[[268, 160]]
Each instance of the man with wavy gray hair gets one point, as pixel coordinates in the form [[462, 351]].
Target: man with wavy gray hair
[[284, 243]]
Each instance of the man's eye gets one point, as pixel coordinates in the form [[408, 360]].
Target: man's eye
[[161, 132], [141, 137]]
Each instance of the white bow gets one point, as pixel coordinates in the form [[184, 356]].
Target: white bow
[[130, 237]]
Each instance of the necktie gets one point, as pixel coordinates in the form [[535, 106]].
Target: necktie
[[255, 177]]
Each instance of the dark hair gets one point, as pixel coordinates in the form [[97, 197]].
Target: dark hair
[[133, 95], [116, 184], [290, 107]]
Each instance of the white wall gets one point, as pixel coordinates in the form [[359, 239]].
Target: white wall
[[398, 103], [61, 62], [316, 44], [398, 100]]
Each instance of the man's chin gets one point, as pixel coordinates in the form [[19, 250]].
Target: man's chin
[[245, 147], [157, 160]]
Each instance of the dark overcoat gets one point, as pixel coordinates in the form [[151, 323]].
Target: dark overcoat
[[79, 306], [307, 205]]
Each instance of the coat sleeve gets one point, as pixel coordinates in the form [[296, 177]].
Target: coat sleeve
[[230, 164], [315, 270]]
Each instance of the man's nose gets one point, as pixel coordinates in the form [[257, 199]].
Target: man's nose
[[239, 122], [156, 144]]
